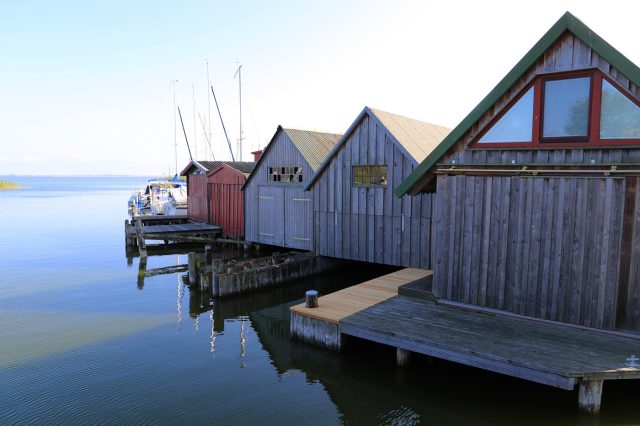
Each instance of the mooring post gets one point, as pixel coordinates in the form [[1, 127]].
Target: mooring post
[[311, 298], [402, 357], [590, 396]]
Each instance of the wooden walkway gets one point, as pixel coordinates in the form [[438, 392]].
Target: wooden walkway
[[546, 352], [554, 354], [334, 307]]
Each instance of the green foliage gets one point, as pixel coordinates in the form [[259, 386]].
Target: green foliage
[[7, 184]]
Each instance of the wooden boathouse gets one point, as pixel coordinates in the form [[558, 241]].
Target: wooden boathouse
[[538, 188], [278, 211], [226, 201], [199, 199], [356, 215], [537, 229]]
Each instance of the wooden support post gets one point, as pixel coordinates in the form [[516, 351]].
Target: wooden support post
[[142, 246], [402, 357], [590, 396], [311, 297]]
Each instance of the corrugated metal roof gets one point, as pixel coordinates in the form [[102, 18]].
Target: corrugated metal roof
[[418, 138], [314, 146]]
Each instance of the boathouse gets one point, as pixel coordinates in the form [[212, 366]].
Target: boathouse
[[356, 215], [538, 190], [277, 209], [226, 201], [199, 201]]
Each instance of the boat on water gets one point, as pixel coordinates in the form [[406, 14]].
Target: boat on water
[[159, 197]]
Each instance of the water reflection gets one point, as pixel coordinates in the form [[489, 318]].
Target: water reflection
[[366, 386], [363, 381]]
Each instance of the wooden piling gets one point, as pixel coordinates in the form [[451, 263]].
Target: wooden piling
[[402, 357], [590, 396], [142, 246]]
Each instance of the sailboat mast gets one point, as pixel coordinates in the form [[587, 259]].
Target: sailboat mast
[[209, 111], [195, 128], [239, 74], [175, 125]]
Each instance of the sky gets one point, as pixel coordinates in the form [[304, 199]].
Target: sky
[[87, 87]]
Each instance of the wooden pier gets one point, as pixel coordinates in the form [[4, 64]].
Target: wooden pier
[[321, 325], [545, 352], [167, 228]]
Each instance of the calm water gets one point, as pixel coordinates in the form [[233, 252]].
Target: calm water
[[82, 343]]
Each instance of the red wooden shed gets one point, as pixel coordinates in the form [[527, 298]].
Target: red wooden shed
[[226, 204], [200, 201]]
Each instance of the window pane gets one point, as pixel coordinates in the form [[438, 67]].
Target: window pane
[[619, 116], [566, 107], [516, 125]]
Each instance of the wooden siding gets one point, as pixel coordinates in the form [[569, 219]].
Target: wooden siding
[[274, 212], [226, 200], [197, 198], [629, 288], [369, 223], [567, 54], [542, 247]]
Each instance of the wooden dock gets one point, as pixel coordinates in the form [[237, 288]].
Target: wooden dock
[[545, 352], [178, 229], [321, 325]]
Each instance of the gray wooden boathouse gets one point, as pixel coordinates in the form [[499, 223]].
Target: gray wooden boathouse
[[278, 211], [538, 188], [356, 215]]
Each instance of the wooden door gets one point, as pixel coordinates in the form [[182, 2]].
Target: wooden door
[[271, 215], [298, 218]]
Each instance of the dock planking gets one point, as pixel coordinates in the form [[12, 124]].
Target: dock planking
[[554, 354], [335, 306]]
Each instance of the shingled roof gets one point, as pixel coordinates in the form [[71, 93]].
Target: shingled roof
[[415, 138], [567, 22]]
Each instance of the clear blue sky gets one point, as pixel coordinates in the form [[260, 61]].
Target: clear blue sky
[[86, 88]]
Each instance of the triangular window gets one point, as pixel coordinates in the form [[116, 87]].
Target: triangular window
[[515, 125], [619, 116]]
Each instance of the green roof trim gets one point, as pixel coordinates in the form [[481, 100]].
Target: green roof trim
[[567, 22]]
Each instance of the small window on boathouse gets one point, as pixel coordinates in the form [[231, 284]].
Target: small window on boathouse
[[565, 113], [619, 115], [285, 174], [515, 125], [369, 176]]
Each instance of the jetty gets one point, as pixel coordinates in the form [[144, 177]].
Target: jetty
[[177, 229], [541, 351]]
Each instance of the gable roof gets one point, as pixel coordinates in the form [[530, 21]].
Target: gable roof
[[313, 146], [416, 139], [567, 22], [207, 166], [243, 167]]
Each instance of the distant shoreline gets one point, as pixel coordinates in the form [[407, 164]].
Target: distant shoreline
[[7, 185]]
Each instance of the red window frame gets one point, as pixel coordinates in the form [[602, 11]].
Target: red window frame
[[537, 141]]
